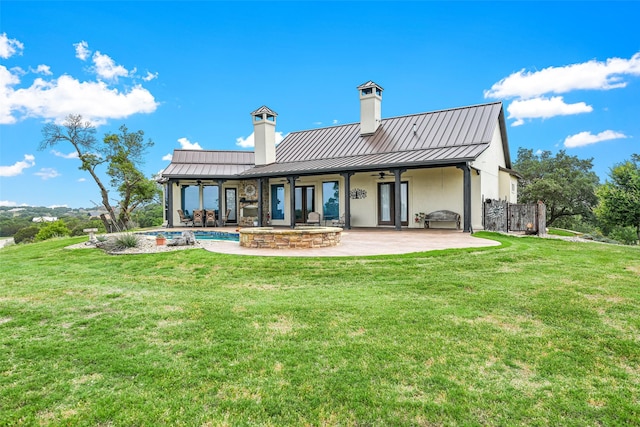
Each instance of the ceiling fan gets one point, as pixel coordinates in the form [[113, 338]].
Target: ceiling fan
[[380, 174]]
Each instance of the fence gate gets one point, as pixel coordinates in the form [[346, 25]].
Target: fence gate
[[502, 216], [522, 215]]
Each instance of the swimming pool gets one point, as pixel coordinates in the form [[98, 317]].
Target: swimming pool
[[200, 235]]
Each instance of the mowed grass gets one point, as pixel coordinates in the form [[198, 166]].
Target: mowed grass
[[534, 332]]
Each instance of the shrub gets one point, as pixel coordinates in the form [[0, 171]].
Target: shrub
[[53, 229], [26, 235], [626, 235], [126, 240]]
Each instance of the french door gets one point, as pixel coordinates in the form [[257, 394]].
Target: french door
[[230, 204], [387, 204], [304, 202]]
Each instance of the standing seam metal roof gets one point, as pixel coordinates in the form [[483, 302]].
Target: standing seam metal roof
[[418, 140], [446, 136]]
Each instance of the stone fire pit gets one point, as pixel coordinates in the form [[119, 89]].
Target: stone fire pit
[[297, 238]]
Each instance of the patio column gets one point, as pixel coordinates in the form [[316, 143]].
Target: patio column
[[397, 173], [169, 201], [347, 199], [292, 199], [259, 202], [220, 197], [466, 195]]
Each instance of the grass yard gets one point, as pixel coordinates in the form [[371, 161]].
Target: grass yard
[[534, 332]]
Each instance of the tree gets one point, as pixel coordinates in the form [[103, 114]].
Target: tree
[[566, 184], [125, 152], [120, 152], [81, 135], [620, 198]]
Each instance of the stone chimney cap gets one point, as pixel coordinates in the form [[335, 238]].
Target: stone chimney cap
[[369, 84], [264, 109]]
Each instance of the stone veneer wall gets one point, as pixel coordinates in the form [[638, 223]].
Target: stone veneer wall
[[267, 237]]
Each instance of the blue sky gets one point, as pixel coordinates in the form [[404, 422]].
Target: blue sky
[[189, 73]]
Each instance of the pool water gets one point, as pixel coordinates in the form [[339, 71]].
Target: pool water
[[200, 235]]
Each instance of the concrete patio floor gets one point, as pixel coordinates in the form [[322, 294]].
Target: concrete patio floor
[[364, 242]]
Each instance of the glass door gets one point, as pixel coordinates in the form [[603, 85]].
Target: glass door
[[387, 204], [230, 205], [304, 202]]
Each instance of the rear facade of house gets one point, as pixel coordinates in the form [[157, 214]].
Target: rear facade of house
[[388, 172]]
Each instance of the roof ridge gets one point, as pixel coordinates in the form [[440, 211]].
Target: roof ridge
[[399, 117]]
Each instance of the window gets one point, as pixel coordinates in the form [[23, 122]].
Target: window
[[277, 201], [210, 197], [367, 91], [330, 200], [190, 198]]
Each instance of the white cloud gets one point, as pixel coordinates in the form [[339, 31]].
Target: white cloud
[[543, 108], [9, 47], [18, 167], [72, 155], [7, 79], [335, 121], [185, 144], [57, 206], [47, 173], [591, 75], [82, 50], [167, 157], [248, 142], [43, 69], [150, 76], [586, 138], [82, 179], [8, 203], [106, 67], [317, 123], [56, 99]]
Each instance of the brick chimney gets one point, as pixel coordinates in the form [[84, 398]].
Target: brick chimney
[[370, 107], [264, 135]]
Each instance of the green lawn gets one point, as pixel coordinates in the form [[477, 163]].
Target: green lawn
[[534, 332]]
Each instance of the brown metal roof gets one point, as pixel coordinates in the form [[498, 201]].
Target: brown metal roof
[[436, 138], [208, 164]]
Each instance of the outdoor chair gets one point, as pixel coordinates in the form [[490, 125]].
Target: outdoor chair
[[184, 218], [210, 218], [313, 218], [338, 222], [198, 218]]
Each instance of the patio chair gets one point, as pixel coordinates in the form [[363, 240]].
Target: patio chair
[[339, 222], [225, 218], [313, 218], [210, 218], [184, 218], [198, 218]]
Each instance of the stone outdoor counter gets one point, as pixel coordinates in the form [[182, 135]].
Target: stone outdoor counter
[[297, 238]]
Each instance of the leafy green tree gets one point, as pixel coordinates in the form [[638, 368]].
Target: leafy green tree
[[81, 135], [566, 184], [620, 197], [122, 153], [26, 234], [126, 152], [51, 230]]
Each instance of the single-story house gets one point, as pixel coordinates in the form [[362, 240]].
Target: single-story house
[[376, 173]]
